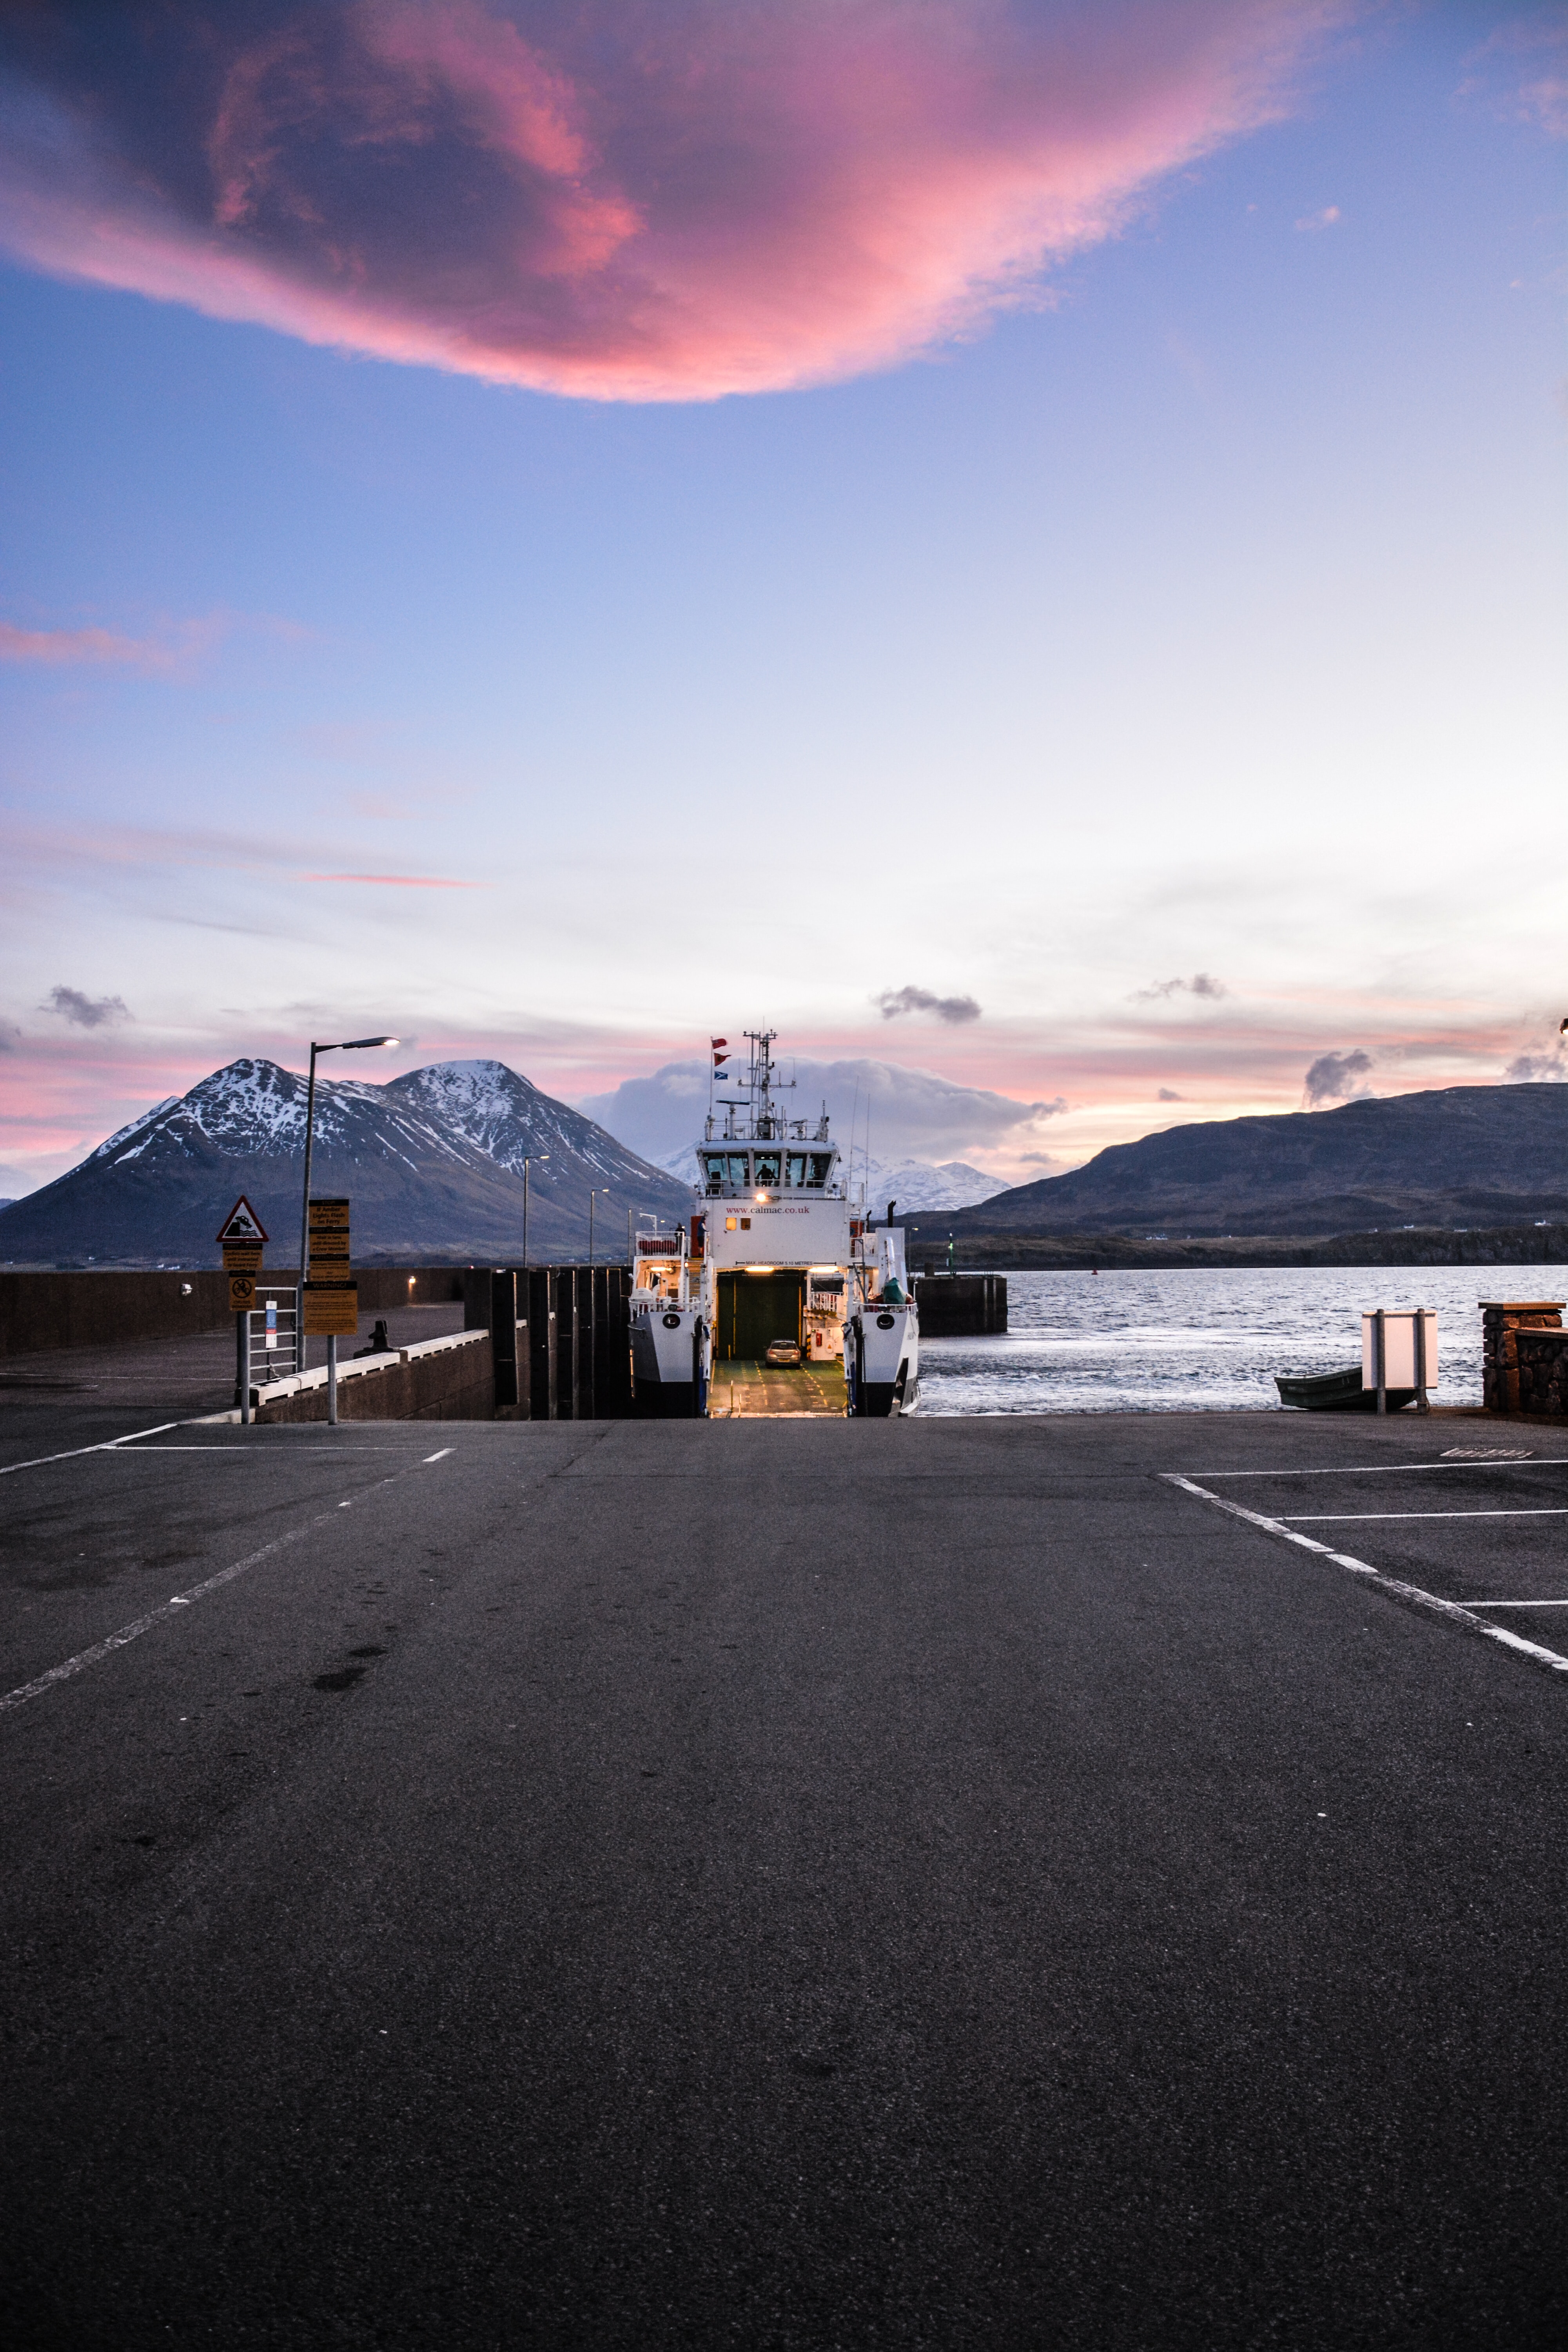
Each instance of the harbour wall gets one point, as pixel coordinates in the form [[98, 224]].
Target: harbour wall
[[436, 1380], [91, 1309], [961, 1305]]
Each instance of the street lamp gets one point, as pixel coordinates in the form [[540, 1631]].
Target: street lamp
[[528, 1158], [592, 1198], [343, 1045]]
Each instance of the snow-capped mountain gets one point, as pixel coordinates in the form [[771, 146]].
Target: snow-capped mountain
[[432, 1162], [927, 1184]]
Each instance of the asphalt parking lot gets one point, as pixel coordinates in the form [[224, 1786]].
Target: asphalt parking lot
[[1474, 1527], [791, 1883]]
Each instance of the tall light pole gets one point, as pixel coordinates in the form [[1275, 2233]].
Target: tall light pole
[[592, 1198], [343, 1045], [528, 1158]]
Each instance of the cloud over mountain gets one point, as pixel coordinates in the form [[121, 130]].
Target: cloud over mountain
[[914, 1114], [85, 1012], [625, 199], [1337, 1077]]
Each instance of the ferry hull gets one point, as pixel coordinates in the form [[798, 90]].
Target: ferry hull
[[881, 1361], [667, 1365]]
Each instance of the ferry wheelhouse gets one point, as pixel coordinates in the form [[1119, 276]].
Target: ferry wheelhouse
[[781, 1296]]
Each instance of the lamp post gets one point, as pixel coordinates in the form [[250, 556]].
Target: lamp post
[[528, 1158], [343, 1045], [593, 1196]]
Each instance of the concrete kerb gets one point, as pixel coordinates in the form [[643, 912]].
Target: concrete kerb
[[415, 1385]]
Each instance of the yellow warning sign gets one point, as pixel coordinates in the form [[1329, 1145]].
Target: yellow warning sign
[[331, 1308], [242, 1257], [241, 1292]]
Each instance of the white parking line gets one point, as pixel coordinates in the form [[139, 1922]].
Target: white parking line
[[139, 1625], [1387, 1469], [1516, 1604], [1321, 1518], [1452, 1611], [108, 1447]]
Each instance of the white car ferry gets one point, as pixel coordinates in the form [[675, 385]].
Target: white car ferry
[[780, 1290]]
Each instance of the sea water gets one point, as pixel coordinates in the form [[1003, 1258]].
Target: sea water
[[1206, 1340]]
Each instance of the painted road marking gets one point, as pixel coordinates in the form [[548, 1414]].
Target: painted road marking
[[1517, 1604], [1542, 1511], [139, 1625], [108, 1447], [1454, 1612], [440, 1456], [1382, 1469]]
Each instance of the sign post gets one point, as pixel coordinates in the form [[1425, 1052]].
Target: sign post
[[332, 1294], [242, 1238]]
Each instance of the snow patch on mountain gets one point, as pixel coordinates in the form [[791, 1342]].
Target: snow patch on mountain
[[111, 1143]]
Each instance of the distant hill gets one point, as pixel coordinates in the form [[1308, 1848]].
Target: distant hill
[[1454, 1156], [432, 1161]]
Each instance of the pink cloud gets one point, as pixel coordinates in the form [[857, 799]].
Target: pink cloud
[[60, 647], [1523, 68], [622, 200], [396, 881]]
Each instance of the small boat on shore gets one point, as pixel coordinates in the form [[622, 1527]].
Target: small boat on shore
[[1336, 1392]]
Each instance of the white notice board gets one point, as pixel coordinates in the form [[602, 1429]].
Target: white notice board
[[1399, 1347]]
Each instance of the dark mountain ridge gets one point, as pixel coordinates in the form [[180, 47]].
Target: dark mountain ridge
[[432, 1162], [1450, 1156]]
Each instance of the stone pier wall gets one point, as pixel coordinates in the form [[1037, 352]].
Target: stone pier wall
[[1522, 1344]]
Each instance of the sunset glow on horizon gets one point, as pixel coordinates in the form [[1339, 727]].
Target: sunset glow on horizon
[[559, 532]]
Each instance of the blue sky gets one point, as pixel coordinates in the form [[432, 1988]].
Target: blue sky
[[1200, 614]]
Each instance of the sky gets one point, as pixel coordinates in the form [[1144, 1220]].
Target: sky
[[1019, 544]]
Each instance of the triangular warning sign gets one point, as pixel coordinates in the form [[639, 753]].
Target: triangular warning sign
[[241, 1225]]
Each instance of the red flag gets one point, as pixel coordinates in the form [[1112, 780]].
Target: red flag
[[716, 1042]]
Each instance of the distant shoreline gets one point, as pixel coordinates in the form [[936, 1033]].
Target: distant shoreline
[[1076, 1253], [1477, 1246]]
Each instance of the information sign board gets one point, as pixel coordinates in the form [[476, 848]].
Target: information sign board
[[331, 1308], [241, 1292]]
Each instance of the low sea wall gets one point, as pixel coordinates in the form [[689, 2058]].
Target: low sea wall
[[40, 1310], [961, 1305], [434, 1380]]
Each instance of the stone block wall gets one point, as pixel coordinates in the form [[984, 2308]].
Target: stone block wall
[[1543, 1372], [1508, 1326]]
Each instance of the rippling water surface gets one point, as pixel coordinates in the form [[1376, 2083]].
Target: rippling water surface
[[1197, 1340]]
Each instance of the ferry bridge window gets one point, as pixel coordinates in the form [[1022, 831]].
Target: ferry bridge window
[[767, 1166], [795, 1172], [713, 1162], [738, 1168], [821, 1161]]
